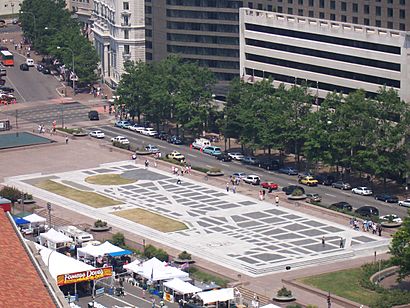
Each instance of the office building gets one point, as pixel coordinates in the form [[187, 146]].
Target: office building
[[327, 55], [119, 35]]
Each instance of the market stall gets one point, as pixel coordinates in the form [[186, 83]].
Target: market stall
[[176, 289], [35, 220], [20, 221], [216, 296], [54, 240], [155, 270]]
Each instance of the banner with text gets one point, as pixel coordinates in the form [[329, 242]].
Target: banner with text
[[94, 274]]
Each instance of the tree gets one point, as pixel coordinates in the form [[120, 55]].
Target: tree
[[118, 239], [11, 193], [184, 256], [400, 248]]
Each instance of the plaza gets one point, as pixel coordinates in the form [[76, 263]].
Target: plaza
[[249, 236]]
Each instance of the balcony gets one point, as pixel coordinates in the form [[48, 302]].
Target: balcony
[[125, 13], [125, 24]]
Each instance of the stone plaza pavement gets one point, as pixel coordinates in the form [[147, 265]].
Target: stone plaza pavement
[[252, 237]]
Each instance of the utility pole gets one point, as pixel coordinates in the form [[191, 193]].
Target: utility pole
[[17, 115], [49, 214], [329, 302]]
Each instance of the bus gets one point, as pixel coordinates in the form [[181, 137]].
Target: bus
[[6, 58]]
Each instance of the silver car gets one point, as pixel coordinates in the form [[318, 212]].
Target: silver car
[[341, 185]]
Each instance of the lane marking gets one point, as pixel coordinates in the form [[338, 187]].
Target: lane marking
[[330, 195], [16, 90], [192, 155]]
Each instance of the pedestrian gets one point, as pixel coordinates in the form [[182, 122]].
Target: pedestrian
[[341, 243], [260, 195], [134, 156], [153, 302], [277, 200], [323, 241], [146, 163], [155, 164], [178, 180], [143, 293], [234, 189], [66, 140], [227, 187], [380, 230], [263, 193]]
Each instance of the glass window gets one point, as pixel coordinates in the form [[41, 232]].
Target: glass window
[[344, 18], [290, 11], [300, 2], [389, 12], [355, 7], [250, 5], [343, 6], [378, 11], [402, 27], [402, 2], [126, 49], [333, 5], [378, 23], [270, 8], [311, 14], [321, 4], [126, 5], [366, 21], [389, 25], [390, 1], [321, 15], [355, 20], [260, 6], [332, 17], [311, 2], [290, 1], [300, 12], [126, 34], [280, 9], [402, 14], [366, 9]]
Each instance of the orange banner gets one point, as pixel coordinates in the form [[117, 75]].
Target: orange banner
[[94, 274]]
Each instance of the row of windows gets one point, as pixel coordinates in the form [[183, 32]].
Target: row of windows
[[325, 70], [324, 38], [204, 51], [202, 15], [222, 40], [331, 4], [311, 83], [219, 64], [207, 3], [202, 27], [325, 54]]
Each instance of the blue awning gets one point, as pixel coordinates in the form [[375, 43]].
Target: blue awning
[[120, 253], [20, 221]]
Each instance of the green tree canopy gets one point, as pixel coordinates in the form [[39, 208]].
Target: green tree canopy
[[400, 248]]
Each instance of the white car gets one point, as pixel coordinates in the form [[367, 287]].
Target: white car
[[391, 217], [405, 203], [135, 127], [30, 62], [240, 175], [149, 132], [152, 148], [236, 156], [97, 134], [120, 139], [364, 191], [252, 179]]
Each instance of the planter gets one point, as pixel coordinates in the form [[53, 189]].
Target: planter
[[391, 224], [283, 298], [79, 134], [100, 229], [209, 173], [302, 197]]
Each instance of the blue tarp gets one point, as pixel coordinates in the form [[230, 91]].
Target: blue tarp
[[20, 221], [120, 253]]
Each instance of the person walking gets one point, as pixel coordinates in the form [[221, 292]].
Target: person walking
[[234, 189], [277, 200], [178, 180], [66, 140], [323, 241], [227, 187], [341, 243]]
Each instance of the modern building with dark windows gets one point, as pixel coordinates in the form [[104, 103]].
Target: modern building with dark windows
[[327, 55]]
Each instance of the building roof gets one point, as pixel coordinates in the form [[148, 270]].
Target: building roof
[[22, 285]]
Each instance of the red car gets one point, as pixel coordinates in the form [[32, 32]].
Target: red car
[[269, 185]]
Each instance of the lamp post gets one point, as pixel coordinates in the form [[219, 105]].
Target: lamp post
[[73, 76], [34, 22]]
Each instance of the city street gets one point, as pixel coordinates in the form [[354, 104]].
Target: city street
[[329, 195]]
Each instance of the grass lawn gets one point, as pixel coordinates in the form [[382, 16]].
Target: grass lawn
[[343, 283], [108, 179], [152, 220], [89, 198]]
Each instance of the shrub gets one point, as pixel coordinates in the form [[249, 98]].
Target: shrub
[[99, 223], [11, 193], [215, 170], [294, 306], [151, 251], [284, 292], [118, 239], [184, 256], [121, 145], [297, 192]]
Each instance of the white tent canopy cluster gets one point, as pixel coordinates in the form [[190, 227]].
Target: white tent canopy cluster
[[99, 250], [54, 239]]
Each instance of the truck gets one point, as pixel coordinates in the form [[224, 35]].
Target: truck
[[80, 237]]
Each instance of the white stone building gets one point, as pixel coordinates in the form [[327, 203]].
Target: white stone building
[[119, 35], [9, 7], [328, 55]]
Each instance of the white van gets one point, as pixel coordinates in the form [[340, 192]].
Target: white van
[[29, 62], [80, 237], [201, 143]]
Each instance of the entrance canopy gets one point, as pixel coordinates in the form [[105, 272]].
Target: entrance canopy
[[221, 295], [181, 286], [100, 250], [34, 218]]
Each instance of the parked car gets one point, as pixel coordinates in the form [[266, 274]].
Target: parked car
[[391, 218], [152, 148], [40, 67], [93, 115], [135, 127], [326, 180], [405, 203], [387, 198], [250, 160], [313, 197], [269, 164], [2, 82], [122, 124], [97, 134], [6, 89], [291, 188], [341, 185], [24, 67], [342, 206], [288, 171], [236, 155], [362, 190], [223, 157], [201, 143], [212, 150], [176, 155], [367, 211], [239, 175], [269, 185], [46, 71], [308, 180], [162, 136], [120, 139], [175, 140], [252, 179], [149, 132], [30, 62]]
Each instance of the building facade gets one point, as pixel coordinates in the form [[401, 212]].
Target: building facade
[[119, 35], [327, 55], [9, 7]]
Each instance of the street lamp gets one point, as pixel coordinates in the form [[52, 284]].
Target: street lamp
[[73, 76]]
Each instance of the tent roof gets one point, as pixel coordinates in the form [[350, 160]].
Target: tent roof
[[270, 306], [55, 236], [99, 250], [59, 264], [20, 221], [213, 296], [155, 270], [181, 286], [34, 218]]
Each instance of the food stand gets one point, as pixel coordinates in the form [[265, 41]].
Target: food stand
[[176, 289], [54, 240]]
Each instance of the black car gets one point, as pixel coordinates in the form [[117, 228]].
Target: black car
[[46, 71], [326, 180], [175, 140], [6, 89], [24, 67], [162, 136], [223, 157], [269, 164], [2, 82], [387, 198], [291, 188], [367, 211], [341, 206], [93, 115], [40, 67]]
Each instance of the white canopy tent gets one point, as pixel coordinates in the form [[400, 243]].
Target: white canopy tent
[[221, 295], [99, 250], [59, 264], [54, 239], [35, 219], [155, 270], [181, 286], [270, 306]]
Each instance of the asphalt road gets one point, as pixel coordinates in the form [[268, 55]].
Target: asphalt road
[[329, 195]]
